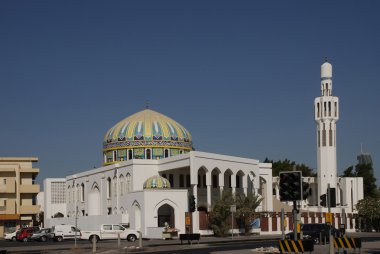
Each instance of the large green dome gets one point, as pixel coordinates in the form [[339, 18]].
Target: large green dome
[[145, 135]]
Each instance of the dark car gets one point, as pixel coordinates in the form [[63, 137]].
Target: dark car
[[315, 232], [43, 235], [25, 233]]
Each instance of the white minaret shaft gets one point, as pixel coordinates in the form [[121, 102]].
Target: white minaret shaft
[[326, 115]]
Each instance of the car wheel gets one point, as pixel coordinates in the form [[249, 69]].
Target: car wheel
[[131, 238], [94, 238], [59, 238], [43, 238], [13, 239], [25, 239]]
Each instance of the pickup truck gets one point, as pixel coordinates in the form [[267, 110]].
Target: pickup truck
[[110, 231]]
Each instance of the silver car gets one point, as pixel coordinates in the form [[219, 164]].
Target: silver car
[[42, 235]]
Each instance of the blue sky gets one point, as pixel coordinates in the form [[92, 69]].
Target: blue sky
[[241, 76]]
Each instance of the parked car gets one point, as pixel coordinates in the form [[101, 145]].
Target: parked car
[[11, 236], [314, 231], [42, 235], [64, 231], [25, 233], [110, 231]]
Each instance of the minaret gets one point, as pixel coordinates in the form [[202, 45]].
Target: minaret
[[326, 115]]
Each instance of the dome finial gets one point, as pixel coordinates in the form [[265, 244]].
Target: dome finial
[[326, 59], [147, 104]]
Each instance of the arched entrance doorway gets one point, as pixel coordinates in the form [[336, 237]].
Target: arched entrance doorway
[[166, 214], [94, 201]]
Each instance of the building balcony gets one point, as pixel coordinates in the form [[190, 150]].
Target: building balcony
[[30, 170], [8, 207], [8, 188], [29, 209], [30, 188]]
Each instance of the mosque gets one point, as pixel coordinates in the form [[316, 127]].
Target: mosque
[[150, 169]]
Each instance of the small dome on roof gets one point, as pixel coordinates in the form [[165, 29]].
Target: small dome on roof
[[326, 70], [156, 182]]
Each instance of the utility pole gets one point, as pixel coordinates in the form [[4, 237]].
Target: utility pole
[[331, 238], [76, 225]]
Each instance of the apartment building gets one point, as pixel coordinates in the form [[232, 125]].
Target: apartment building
[[17, 192]]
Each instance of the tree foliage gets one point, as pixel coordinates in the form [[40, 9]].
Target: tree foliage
[[245, 211], [220, 213], [369, 211], [287, 165]]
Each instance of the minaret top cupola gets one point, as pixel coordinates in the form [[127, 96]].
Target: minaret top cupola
[[326, 78]]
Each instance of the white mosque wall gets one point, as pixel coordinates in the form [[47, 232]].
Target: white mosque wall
[[87, 222], [144, 208]]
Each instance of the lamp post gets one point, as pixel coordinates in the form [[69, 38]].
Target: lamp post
[[233, 210], [76, 225]]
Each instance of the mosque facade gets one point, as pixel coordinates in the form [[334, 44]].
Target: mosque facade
[[150, 169]]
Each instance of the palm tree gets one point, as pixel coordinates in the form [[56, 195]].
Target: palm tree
[[246, 209]]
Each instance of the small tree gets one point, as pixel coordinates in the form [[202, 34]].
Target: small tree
[[369, 210], [220, 213], [246, 209]]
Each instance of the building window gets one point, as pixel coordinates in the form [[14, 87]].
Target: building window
[[171, 180], [129, 183], [204, 181], [130, 154], [109, 187], [115, 186], [181, 181], [187, 180], [166, 153], [148, 154], [318, 110], [5, 181], [329, 108], [215, 181], [109, 210], [199, 181], [82, 192], [324, 135], [237, 181]]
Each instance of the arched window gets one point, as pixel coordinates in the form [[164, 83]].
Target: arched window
[[130, 154], [148, 154], [78, 192], [69, 194], [129, 184], [115, 186], [121, 179], [166, 153], [82, 192], [109, 187]]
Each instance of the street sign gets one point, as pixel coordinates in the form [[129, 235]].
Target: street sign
[[328, 217], [187, 221]]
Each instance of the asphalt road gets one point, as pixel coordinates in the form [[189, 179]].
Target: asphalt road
[[238, 244]]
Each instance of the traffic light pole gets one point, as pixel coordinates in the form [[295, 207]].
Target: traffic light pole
[[331, 239], [295, 220]]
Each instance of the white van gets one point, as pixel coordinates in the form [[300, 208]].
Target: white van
[[64, 231]]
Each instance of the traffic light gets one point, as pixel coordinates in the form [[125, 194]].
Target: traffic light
[[332, 197], [323, 199], [290, 185], [305, 190], [191, 203]]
